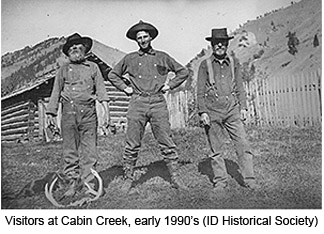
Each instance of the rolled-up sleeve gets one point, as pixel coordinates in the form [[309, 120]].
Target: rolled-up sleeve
[[115, 75], [201, 88], [180, 71], [52, 106]]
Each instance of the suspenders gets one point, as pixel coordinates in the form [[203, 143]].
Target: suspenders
[[210, 71], [211, 76]]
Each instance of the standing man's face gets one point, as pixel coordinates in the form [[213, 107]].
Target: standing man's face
[[143, 39], [220, 47], [76, 52]]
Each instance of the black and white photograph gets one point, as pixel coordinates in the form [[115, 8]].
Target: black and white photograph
[[162, 105]]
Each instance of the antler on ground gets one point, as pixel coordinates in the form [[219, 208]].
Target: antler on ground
[[49, 193], [97, 194]]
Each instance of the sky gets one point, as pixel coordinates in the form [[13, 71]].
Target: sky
[[182, 24]]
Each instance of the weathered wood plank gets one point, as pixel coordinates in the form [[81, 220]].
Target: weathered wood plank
[[22, 130], [15, 119], [14, 126], [15, 114], [13, 106]]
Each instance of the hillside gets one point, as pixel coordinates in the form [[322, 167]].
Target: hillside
[[270, 34], [261, 45], [24, 67]]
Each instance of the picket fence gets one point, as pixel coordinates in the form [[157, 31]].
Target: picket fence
[[293, 100]]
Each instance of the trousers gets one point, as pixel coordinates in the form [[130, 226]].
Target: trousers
[[148, 109], [79, 133], [228, 120]]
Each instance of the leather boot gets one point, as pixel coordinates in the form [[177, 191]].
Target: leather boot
[[128, 175], [250, 183], [176, 181], [73, 181], [73, 186]]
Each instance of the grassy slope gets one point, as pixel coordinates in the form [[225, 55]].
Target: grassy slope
[[304, 18], [287, 165]]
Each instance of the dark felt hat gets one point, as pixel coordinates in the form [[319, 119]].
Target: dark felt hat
[[77, 39], [142, 26], [219, 34]]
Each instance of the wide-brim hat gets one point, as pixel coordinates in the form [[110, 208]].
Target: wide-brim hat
[[219, 34], [142, 26], [77, 39]]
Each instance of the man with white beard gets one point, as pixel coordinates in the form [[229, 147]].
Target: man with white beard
[[78, 84], [222, 108]]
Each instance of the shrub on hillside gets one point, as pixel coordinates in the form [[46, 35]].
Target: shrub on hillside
[[315, 41], [293, 41]]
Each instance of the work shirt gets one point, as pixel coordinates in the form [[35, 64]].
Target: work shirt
[[79, 83], [147, 71], [225, 88]]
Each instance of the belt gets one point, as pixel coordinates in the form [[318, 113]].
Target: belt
[[146, 94], [227, 97], [79, 103]]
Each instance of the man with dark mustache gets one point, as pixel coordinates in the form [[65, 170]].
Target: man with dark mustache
[[78, 84], [222, 107], [147, 69]]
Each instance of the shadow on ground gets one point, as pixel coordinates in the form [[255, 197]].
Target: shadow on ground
[[205, 168], [142, 174]]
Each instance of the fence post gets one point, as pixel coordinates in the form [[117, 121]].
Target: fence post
[[268, 96], [279, 102], [271, 101], [264, 92], [296, 107], [283, 101], [291, 106], [257, 102], [307, 99], [262, 102], [319, 77], [315, 98], [301, 95]]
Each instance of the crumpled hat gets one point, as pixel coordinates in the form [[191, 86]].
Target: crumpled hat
[[77, 39], [142, 26]]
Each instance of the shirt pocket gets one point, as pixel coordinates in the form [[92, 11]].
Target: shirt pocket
[[162, 70]]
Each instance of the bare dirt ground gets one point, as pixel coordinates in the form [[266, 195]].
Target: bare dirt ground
[[288, 166]]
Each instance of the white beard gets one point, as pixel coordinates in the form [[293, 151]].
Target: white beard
[[76, 56]]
